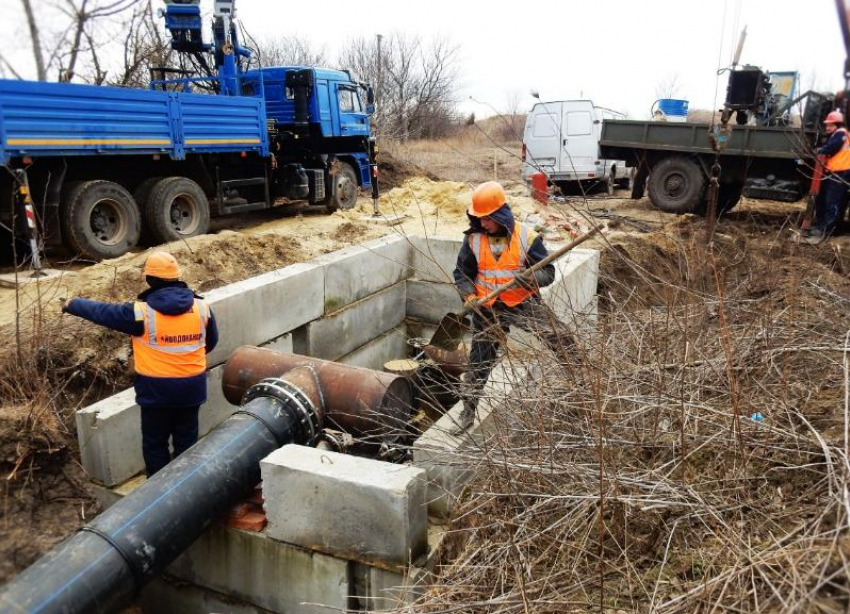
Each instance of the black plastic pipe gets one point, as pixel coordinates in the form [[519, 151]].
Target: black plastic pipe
[[101, 569]]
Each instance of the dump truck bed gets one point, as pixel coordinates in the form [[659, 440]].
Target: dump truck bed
[[64, 119], [625, 138]]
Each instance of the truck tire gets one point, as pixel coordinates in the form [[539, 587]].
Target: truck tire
[[347, 188], [728, 196], [140, 195], [176, 208], [100, 219], [677, 185]]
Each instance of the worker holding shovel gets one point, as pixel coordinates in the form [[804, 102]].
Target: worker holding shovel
[[497, 250]]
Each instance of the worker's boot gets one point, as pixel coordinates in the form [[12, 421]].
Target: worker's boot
[[467, 415]]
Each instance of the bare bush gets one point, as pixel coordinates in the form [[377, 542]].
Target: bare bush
[[291, 50]]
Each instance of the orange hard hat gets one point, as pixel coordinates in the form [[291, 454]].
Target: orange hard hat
[[835, 117], [487, 198], [162, 265]]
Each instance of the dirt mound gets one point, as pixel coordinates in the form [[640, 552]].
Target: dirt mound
[[393, 172]]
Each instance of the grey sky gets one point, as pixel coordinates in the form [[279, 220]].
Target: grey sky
[[615, 53]]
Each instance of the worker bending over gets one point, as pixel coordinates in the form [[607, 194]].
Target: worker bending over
[[172, 329], [497, 249]]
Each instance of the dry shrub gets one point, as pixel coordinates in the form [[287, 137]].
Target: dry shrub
[[693, 457]]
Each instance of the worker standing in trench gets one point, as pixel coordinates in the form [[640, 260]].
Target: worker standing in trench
[[832, 200], [497, 249], [173, 330]]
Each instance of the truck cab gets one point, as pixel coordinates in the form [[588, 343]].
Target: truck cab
[[561, 139]]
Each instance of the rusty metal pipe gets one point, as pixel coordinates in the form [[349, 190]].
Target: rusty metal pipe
[[367, 404]]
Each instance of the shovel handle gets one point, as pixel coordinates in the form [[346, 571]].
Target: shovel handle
[[476, 304]]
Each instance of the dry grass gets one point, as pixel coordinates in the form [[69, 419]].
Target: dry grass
[[634, 478], [468, 156]]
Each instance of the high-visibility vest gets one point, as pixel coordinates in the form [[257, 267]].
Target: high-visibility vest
[[171, 345], [841, 160], [494, 272]]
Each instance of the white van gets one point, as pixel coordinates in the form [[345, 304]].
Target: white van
[[562, 140]]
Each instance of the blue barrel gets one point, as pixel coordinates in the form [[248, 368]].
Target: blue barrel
[[672, 109]]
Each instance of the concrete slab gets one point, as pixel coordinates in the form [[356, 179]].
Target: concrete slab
[[281, 344], [344, 505], [169, 596], [577, 276], [448, 454], [267, 573], [393, 219], [429, 301], [354, 273], [376, 353], [109, 432], [433, 258], [265, 307], [342, 332]]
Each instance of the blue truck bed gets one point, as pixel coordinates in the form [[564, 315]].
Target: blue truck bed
[[61, 119]]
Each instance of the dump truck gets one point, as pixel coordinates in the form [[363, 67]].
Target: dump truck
[[760, 155], [105, 166]]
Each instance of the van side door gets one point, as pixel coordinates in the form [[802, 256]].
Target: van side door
[[579, 144]]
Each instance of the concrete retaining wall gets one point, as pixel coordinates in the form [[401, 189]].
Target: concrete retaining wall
[[348, 306]]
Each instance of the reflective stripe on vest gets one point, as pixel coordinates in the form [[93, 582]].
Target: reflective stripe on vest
[[841, 160], [494, 272], [171, 345]]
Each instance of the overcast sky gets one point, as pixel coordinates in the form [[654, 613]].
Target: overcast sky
[[615, 52]]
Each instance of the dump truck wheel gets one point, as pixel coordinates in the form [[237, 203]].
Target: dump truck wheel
[[677, 185], [100, 219], [177, 208], [346, 188]]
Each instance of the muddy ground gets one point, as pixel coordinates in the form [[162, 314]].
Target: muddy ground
[[51, 365]]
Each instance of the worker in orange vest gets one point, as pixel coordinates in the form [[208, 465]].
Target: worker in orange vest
[[831, 201], [497, 249], [172, 329]]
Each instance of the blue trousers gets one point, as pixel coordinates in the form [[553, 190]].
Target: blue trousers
[[831, 201], [159, 424]]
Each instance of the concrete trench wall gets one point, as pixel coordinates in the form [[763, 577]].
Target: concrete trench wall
[[353, 306]]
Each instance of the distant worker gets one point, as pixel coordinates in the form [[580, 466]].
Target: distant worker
[[497, 249], [831, 201], [173, 330]]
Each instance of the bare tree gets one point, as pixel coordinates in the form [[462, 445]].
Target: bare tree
[[668, 87], [67, 36], [415, 82], [289, 51]]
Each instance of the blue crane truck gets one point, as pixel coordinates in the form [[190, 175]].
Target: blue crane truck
[[105, 166]]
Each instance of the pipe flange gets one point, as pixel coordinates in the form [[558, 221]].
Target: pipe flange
[[291, 396]]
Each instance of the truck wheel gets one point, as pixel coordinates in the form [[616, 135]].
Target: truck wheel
[[100, 220], [177, 208], [609, 184], [346, 188], [676, 185], [728, 196], [140, 195]]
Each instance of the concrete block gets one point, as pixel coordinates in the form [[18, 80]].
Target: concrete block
[[281, 344], [109, 432], [265, 307], [354, 273], [577, 276], [434, 258], [169, 596], [447, 454], [354, 326], [373, 355], [353, 507], [430, 301], [266, 573]]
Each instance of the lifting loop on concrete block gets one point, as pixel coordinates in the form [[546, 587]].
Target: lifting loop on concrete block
[[132, 563], [290, 396]]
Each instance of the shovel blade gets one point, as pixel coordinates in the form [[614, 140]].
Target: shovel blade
[[450, 332]]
